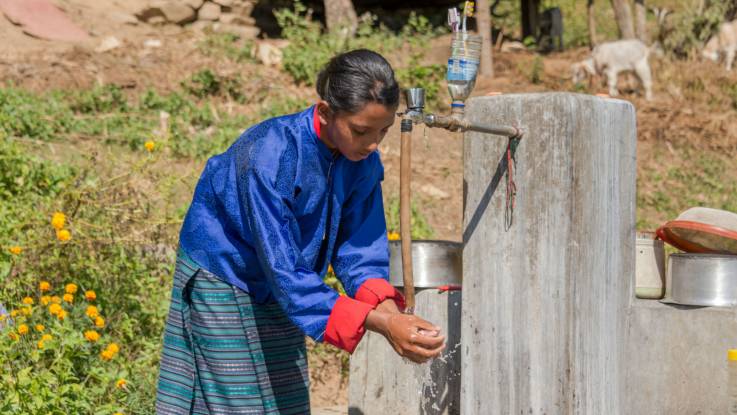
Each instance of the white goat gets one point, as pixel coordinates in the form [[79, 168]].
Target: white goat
[[724, 41], [611, 58]]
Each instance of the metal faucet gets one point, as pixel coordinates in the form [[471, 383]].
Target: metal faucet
[[456, 121]]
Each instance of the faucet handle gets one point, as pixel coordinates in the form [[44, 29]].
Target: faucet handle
[[415, 99]]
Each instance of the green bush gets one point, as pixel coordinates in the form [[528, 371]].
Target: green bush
[[420, 227], [228, 45], [689, 29], [56, 357], [311, 47]]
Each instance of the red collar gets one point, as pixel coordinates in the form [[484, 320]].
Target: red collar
[[316, 122]]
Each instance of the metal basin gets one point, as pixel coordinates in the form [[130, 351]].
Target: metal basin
[[434, 263], [703, 279]]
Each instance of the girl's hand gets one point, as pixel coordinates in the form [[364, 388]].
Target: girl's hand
[[409, 335]]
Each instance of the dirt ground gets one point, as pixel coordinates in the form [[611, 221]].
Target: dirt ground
[[682, 113]]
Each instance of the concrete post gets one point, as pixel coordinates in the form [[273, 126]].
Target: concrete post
[[382, 383], [545, 302]]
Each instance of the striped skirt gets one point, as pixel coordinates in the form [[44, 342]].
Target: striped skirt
[[224, 354]]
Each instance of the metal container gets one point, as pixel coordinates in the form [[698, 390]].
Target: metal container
[[703, 279], [435, 263], [649, 266]]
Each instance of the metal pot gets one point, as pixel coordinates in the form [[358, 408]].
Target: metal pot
[[703, 279], [435, 263]]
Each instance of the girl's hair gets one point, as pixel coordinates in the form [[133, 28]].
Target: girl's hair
[[353, 79]]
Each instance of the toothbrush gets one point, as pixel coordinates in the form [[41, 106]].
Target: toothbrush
[[453, 19]]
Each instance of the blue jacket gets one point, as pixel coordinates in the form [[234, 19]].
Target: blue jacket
[[277, 207]]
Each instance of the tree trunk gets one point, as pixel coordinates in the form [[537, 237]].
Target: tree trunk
[[592, 23], [623, 13], [484, 26], [640, 21], [340, 16]]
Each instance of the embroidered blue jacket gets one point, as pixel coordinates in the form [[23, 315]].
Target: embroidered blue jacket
[[277, 207]]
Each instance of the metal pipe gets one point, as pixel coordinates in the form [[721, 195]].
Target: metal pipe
[[462, 124], [405, 213]]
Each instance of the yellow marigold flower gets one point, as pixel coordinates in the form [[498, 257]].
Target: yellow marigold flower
[[91, 335], [55, 309], [22, 329], [26, 311], [45, 300], [44, 286], [14, 313], [56, 299], [28, 301], [92, 311], [57, 220], [62, 315], [3, 317], [100, 322], [46, 337], [393, 236], [13, 336], [15, 250], [63, 235], [113, 348], [71, 289], [120, 384], [107, 354], [150, 145], [40, 344], [118, 413], [68, 298], [90, 295], [40, 327]]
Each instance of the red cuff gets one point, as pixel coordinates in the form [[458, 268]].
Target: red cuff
[[375, 290], [345, 324]]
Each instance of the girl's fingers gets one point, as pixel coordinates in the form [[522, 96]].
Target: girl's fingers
[[425, 325], [428, 342]]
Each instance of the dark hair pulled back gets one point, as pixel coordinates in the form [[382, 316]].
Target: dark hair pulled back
[[353, 79]]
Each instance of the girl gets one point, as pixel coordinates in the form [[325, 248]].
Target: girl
[[290, 196]]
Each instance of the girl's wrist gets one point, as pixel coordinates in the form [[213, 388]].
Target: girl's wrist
[[377, 321]]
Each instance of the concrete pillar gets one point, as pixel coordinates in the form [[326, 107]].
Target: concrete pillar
[[545, 302], [382, 383]]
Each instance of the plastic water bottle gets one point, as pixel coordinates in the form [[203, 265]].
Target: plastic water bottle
[[732, 369], [465, 54]]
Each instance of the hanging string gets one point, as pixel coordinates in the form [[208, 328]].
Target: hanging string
[[511, 185]]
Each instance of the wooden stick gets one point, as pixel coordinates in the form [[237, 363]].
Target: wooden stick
[[405, 213]]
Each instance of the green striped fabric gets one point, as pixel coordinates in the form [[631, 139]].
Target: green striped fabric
[[224, 354]]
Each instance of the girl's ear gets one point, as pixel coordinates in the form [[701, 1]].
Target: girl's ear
[[323, 111]]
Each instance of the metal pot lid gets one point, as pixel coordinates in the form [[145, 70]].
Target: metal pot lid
[[702, 230]]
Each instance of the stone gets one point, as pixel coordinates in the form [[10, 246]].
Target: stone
[[195, 4], [209, 12], [152, 43], [124, 18], [269, 52], [225, 3], [109, 43], [176, 12], [244, 9], [513, 46], [172, 11]]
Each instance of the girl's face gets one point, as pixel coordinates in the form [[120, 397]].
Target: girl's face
[[355, 135]]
